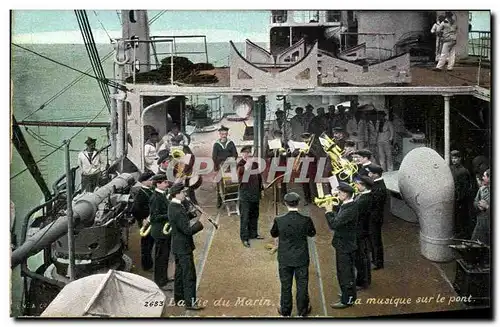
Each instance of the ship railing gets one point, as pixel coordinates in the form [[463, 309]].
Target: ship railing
[[305, 16], [157, 55], [480, 48]]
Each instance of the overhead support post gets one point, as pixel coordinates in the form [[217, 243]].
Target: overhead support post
[[447, 129]]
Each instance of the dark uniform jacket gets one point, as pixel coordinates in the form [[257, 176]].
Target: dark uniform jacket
[[344, 224], [140, 208], [221, 152], [318, 125], [250, 190], [182, 235], [293, 229], [364, 203], [159, 213], [463, 182], [379, 195], [362, 170]]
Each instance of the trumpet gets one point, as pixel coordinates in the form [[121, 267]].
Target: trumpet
[[327, 200]]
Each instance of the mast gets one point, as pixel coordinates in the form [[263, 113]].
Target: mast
[[130, 59]]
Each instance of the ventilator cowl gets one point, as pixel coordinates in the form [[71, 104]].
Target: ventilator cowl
[[426, 184]]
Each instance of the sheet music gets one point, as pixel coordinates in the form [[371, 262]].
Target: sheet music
[[333, 182], [274, 144], [296, 145]]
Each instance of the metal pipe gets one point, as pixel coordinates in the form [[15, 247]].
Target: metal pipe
[[114, 128], [154, 105], [447, 129], [69, 213]]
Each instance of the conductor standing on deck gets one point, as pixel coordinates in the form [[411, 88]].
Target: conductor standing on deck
[[293, 229], [140, 211], [344, 223], [223, 148], [379, 196], [183, 247], [249, 195], [159, 217]]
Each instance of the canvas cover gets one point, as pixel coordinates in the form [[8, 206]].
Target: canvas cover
[[115, 294]]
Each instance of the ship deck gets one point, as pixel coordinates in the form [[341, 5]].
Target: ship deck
[[243, 282], [463, 80]]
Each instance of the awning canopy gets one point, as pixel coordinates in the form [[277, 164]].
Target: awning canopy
[[115, 294]]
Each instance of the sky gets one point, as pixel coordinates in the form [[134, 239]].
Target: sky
[[60, 26]]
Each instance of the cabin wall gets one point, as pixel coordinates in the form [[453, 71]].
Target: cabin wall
[[397, 22], [401, 23]]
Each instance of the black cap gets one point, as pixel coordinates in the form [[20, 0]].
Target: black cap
[[350, 143], [338, 128], [344, 187], [90, 140], [364, 153], [223, 128], [309, 106], [159, 178], [279, 112], [163, 155], [291, 197], [145, 176], [305, 135], [277, 131], [299, 108], [455, 153], [153, 133], [376, 169], [246, 148], [365, 180], [176, 189]]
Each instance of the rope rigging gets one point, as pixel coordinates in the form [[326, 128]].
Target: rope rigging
[[102, 25], [88, 39], [66, 88], [59, 147]]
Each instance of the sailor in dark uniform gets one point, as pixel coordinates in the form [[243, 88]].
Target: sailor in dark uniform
[[463, 196], [293, 229], [140, 211], [183, 247], [249, 197], [344, 224], [159, 217], [223, 148], [379, 196], [363, 159], [364, 202]]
